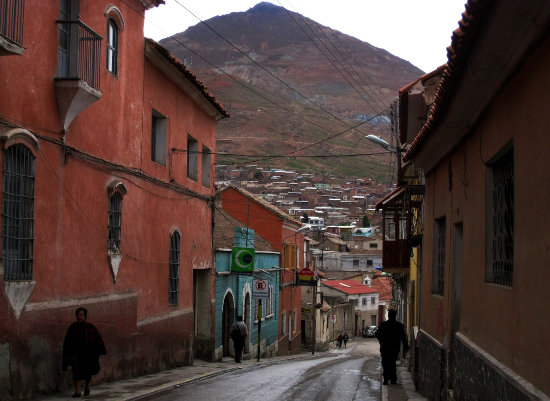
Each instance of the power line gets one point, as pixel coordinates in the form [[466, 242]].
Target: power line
[[261, 66]]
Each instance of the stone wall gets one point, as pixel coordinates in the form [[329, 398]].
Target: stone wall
[[477, 378], [431, 367]]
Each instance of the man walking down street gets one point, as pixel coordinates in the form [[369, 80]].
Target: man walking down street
[[390, 335], [239, 332]]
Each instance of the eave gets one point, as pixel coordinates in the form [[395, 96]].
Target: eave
[[489, 46], [176, 71]]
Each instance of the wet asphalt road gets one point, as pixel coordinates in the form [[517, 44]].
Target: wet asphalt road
[[341, 375]]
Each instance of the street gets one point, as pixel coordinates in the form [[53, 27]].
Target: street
[[351, 373]]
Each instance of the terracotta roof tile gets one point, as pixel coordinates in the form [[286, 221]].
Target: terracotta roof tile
[[189, 75], [350, 287], [383, 285]]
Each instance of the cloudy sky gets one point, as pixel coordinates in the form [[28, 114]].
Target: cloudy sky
[[415, 30]]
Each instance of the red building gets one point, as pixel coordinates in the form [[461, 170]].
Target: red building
[[108, 145], [281, 231]]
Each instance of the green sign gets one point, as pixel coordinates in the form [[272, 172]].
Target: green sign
[[242, 260]]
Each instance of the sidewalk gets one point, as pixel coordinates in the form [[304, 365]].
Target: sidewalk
[[404, 390], [142, 386]]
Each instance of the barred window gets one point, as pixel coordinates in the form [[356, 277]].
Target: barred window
[[174, 273], [18, 213], [115, 222], [438, 267], [500, 220]]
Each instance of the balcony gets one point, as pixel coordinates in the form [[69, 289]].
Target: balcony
[[402, 228], [79, 66], [12, 14]]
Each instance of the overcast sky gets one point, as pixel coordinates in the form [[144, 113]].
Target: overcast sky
[[415, 30]]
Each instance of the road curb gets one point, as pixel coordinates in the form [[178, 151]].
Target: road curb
[[172, 386]]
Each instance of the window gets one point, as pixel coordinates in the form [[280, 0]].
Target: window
[[369, 262], [192, 158], [295, 326], [269, 306], [373, 245], [438, 266], [63, 50], [373, 320], [158, 138], [373, 301], [291, 252], [500, 220], [206, 160], [115, 222], [389, 227], [78, 51], [283, 324], [364, 301], [356, 301], [112, 47], [355, 262], [174, 273], [18, 213]]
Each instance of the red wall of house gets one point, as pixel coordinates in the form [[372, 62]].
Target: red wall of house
[[71, 268], [509, 323], [276, 230]]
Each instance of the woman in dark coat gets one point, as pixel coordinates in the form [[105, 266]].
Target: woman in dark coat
[[81, 349]]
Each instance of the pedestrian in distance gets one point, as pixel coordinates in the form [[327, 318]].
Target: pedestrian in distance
[[339, 340], [345, 338], [81, 350], [239, 332], [390, 335]]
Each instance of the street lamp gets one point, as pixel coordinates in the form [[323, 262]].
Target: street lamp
[[397, 150]]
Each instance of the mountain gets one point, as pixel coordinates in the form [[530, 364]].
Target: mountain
[[290, 83]]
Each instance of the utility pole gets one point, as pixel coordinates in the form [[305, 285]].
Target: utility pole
[[259, 327], [314, 318]]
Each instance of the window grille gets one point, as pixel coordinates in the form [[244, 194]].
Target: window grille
[[501, 225], [18, 213], [174, 274], [115, 222]]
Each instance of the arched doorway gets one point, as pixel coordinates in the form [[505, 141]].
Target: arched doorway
[[228, 315], [247, 320]]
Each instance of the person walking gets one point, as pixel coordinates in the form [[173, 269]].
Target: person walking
[[345, 338], [81, 350], [239, 332], [390, 335], [339, 340]]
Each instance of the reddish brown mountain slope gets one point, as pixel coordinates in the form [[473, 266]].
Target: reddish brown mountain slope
[[292, 83]]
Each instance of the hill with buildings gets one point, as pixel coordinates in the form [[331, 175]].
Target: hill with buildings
[[294, 87]]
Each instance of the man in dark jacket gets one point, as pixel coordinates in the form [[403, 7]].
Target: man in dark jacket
[[390, 335], [81, 350], [239, 332]]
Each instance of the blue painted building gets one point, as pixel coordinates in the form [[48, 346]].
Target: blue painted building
[[234, 291]]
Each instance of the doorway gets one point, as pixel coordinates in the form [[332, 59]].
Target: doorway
[[228, 315], [202, 311]]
